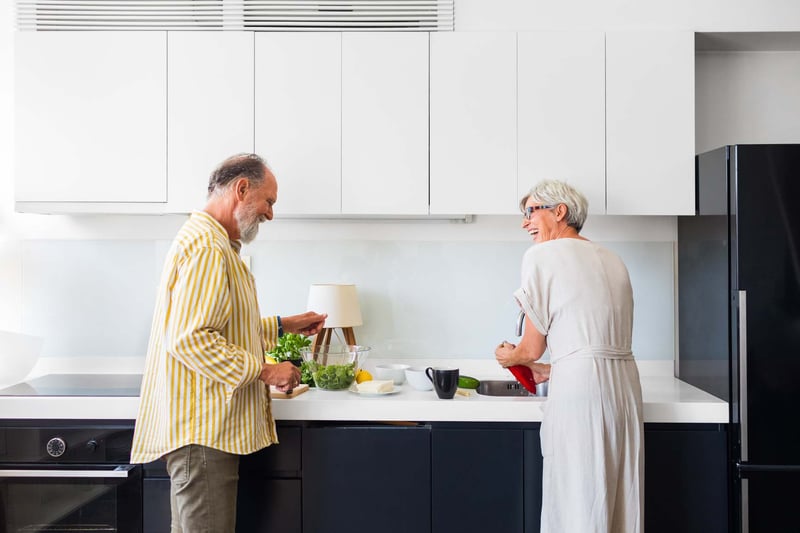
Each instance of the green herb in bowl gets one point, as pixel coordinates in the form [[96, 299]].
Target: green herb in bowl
[[335, 377], [334, 367]]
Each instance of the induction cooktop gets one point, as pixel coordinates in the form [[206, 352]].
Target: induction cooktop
[[77, 385]]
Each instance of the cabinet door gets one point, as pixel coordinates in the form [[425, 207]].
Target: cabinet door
[[561, 115], [270, 490], [650, 123], [269, 505], [477, 480], [91, 116], [210, 111], [685, 465], [532, 483], [473, 122], [156, 513], [385, 123], [298, 118], [355, 477]]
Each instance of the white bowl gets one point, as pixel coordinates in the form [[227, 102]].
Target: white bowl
[[18, 356], [418, 379], [395, 372]]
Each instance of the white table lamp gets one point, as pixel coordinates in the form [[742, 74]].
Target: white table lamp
[[340, 303]]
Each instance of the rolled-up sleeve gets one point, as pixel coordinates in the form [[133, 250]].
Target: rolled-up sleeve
[[534, 293]]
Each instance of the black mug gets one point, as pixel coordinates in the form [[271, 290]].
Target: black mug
[[445, 381]]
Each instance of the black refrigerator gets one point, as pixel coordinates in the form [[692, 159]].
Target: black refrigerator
[[739, 321]]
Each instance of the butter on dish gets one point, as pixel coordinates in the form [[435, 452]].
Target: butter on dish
[[375, 386]]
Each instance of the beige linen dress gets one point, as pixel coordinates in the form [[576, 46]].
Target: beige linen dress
[[578, 295]]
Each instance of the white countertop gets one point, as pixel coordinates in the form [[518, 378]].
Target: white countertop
[[666, 400]]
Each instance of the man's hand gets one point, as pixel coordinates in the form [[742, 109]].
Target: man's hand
[[284, 376], [308, 323]]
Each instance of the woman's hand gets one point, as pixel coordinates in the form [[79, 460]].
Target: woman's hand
[[541, 372], [508, 355], [308, 323]]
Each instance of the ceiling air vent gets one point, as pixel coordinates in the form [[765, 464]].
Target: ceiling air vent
[[250, 15]]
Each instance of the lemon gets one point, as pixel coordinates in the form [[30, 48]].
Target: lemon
[[363, 376], [271, 360]]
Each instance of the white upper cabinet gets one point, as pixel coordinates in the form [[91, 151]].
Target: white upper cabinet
[[650, 122], [210, 111], [385, 123], [473, 121], [91, 116], [561, 112], [298, 80]]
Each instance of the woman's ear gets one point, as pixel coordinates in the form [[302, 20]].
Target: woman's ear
[[561, 211]]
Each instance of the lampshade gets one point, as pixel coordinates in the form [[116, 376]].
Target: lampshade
[[340, 302]]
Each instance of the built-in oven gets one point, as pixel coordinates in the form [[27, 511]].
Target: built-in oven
[[67, 476]]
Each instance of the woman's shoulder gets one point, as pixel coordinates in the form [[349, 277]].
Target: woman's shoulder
[[557, 246]]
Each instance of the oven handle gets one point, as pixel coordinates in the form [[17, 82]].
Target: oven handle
[[121, 471]]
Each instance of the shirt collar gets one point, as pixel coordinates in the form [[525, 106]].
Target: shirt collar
[[214, 223]]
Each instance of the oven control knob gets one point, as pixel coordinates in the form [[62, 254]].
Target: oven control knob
[[92, 445], [56, 447]]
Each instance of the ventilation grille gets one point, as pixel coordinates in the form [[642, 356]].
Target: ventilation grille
[[254, 15]]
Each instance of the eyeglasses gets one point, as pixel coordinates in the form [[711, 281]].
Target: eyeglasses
[[528, 213]]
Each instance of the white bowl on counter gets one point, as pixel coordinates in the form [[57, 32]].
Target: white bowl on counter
[[396, 372]]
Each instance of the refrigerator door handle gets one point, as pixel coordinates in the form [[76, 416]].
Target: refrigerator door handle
[[743, 373], [745, 506]]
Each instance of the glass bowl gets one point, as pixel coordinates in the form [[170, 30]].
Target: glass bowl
[[334, 366]]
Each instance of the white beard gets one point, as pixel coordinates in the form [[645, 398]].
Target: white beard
[[248, 221]]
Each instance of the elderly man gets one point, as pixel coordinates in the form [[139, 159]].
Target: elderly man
[[205, 399]]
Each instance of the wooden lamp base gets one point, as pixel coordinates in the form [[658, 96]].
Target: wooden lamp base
[[323, 338]]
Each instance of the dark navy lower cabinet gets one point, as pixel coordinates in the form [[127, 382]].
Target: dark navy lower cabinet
[[363, 478], [445, 477], [532, 487], [479, 478], [270, 487], [686, 478], [155, 498]]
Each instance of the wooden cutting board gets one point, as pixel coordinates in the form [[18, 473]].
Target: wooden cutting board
[[300, 389]]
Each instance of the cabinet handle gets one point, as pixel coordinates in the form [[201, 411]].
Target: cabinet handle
[[121, 471]]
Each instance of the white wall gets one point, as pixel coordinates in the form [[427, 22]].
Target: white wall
[[746, 97]]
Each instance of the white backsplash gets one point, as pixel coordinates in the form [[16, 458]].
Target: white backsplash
[[442, 297]]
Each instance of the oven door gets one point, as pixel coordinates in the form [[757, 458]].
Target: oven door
[[74, 498]]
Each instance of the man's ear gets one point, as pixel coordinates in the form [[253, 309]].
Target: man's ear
[[242, 186]]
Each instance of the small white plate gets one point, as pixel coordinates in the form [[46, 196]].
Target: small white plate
[[365, 393]]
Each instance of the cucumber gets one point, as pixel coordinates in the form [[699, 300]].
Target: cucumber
[[467, 382]]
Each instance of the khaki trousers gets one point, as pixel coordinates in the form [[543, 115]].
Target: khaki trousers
[[203, 483]]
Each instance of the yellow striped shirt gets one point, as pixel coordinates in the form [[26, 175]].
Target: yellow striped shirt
[[206, 349]]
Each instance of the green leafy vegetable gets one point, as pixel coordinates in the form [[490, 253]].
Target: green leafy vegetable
[[334, 377], [288, 347], [307, 369]]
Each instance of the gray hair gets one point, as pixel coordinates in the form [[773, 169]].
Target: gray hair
[[249, 166], [558, 192]]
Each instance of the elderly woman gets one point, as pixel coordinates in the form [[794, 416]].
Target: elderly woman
[[578, 302]]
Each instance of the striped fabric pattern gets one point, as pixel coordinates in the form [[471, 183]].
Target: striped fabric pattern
[[206, 349]]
